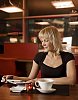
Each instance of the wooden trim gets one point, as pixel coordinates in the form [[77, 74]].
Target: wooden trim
[[45, 16]]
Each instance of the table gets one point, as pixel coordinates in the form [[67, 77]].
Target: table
[[5, 94]]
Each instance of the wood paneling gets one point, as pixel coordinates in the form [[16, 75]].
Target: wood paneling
[[21, 51]]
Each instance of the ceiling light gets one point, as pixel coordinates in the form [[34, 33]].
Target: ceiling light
[[58, 22], [62, 4], [73, 23], [42, 23], [11, 8]]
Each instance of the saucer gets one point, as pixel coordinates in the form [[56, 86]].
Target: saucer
[[15, 81], [46, 91]]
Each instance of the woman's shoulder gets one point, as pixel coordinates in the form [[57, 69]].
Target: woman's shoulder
[[41, 53], [67, 55], [40, 56]]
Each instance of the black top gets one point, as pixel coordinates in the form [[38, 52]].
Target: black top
[[49, 72]]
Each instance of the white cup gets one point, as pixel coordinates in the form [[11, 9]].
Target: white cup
[[44, 83]]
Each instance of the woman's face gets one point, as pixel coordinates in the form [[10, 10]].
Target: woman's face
[[47, 45]]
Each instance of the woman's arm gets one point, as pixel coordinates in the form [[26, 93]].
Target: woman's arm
[[32, 75], [34, 70], [71, 75]]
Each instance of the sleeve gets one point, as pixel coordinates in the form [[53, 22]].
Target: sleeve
[[69, 57], [38, 58]]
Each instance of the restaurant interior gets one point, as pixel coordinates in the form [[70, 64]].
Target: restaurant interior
[[19, 32]]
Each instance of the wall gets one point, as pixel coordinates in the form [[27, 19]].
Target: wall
[[22, 51]]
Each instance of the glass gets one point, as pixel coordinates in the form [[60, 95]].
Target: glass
[[11, 31], [67, 26]]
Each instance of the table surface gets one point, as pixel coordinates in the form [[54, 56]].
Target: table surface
[[5, 94]]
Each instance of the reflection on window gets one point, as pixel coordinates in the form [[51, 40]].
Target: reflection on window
[[35, 25], [67, 43]]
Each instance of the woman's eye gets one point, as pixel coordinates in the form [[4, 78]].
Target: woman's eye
[[41, 41], [46, 40]]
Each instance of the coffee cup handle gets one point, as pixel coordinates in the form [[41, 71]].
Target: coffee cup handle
[[37, 84]]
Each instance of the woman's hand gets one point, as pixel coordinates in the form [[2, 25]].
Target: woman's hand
[[31, 81], [5, 77], [30, 84]]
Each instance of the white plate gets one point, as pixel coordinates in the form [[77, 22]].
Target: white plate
[[15, 81], [17, 88], [46, 91]]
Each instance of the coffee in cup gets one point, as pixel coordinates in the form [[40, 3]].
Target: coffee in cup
[[44, 83]]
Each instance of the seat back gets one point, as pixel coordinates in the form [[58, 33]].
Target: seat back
[[7, 66]]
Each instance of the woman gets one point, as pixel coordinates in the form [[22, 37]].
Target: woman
[[53, 62]]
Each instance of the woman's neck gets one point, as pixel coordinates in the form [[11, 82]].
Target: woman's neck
[[52, 54]]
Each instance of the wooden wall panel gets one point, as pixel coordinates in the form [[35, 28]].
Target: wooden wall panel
[[23, 51]]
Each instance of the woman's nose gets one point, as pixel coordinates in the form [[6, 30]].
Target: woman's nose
[[43, 43]]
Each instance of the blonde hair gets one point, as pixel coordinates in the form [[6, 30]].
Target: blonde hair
[[52, 33]]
